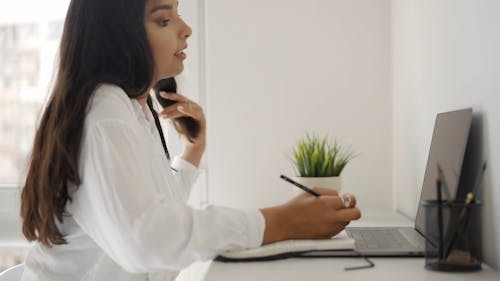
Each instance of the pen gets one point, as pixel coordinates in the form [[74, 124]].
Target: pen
[[463, 220], [301, 186], [464, 214], [440, 213]]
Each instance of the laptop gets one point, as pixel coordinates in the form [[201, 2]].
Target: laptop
[[448, 146]]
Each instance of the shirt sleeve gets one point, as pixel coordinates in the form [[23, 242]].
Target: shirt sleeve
[[186, 174], [118, 206]]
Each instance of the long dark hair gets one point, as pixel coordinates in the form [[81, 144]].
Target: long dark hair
[[103, 41]]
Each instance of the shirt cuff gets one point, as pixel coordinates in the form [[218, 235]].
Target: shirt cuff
[[180, 164], [256, 226]]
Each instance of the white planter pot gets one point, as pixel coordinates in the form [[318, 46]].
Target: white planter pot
[[334, 183]]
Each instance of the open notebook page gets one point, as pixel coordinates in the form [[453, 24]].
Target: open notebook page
[[339, 242]]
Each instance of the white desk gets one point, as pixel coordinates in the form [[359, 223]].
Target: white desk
[[407, 269]]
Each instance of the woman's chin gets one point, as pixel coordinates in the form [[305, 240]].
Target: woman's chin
[[171, 73]]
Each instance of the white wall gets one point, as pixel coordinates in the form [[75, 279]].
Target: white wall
[[278, 68], [445, 56]]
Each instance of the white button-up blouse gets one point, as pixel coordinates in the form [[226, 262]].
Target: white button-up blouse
[[129, 220]]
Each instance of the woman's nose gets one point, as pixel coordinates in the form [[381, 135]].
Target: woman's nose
[[186, 30]]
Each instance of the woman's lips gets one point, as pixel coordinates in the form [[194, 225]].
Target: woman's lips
[[181, 55]]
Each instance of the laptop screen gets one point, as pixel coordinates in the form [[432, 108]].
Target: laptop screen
[[449, 140]]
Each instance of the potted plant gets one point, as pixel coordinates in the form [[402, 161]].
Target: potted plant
[[318, 162]]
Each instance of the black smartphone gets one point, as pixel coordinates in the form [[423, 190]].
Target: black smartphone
[[184, 124]]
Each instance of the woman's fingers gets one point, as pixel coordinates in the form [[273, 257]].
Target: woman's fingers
[[349, 199], [189, 109], [173, 115], [178, 98], [332, 202], [340, 213], [339, 201], [181, 108], [325, 191], [346, 215], [172, 96]]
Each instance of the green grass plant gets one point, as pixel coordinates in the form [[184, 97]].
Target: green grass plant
[[318, 157]]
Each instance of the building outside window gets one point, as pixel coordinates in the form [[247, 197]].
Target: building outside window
[[30, 33], [28, 48]]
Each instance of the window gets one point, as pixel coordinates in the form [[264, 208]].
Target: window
[[28, 46]]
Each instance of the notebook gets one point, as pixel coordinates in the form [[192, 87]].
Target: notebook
[[448, 146], [290, 248]]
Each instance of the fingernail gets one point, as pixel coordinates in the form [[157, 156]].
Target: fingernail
[[180, 107]]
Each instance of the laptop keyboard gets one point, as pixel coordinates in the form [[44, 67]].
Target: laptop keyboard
[[380, 239]]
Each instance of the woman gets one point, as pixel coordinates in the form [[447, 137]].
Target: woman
[[100, 199]]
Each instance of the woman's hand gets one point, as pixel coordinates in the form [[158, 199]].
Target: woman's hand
[[185, 107], [309, 217]]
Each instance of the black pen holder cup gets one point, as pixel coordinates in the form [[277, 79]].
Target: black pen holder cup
[[453, 235]]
